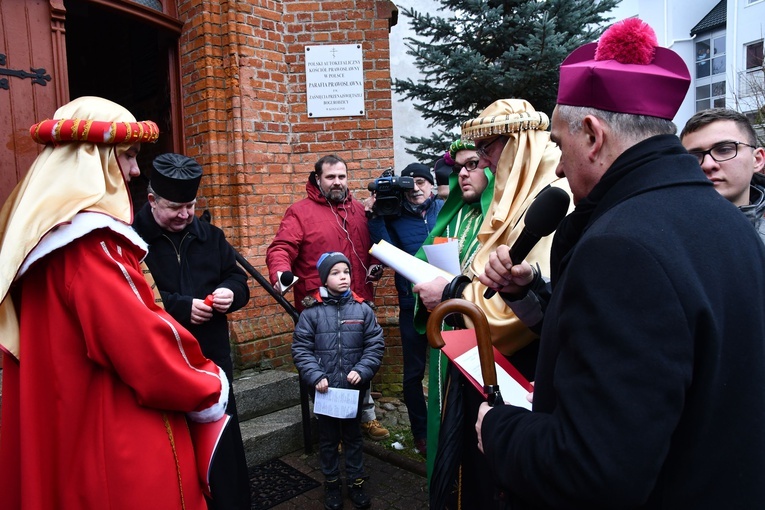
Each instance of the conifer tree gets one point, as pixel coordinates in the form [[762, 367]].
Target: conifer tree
[[484, 50]]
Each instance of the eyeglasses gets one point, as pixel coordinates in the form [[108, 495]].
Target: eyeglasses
[[482, 151], [468, 165], [720, 152]]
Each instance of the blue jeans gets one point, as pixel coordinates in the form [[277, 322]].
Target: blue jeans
[[415, 348]]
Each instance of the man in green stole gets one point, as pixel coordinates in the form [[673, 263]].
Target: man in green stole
[[460, 219]]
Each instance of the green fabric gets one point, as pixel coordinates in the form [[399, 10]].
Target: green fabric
[[446, 216], [437, 359], [448, 213]]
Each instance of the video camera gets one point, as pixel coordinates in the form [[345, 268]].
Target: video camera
[[389, 192]]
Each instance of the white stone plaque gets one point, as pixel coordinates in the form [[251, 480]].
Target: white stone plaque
[[334, 80]]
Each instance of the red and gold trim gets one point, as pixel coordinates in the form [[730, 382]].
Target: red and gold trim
[[94, 131]]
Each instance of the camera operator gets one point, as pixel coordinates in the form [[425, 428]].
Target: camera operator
[[407, 228]]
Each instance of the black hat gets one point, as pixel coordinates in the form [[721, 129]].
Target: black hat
[[327, 261], [175, 177], [442, 170], [417, 170]]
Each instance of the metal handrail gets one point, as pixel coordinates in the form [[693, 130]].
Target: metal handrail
[[295, 315]]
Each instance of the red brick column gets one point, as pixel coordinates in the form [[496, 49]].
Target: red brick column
[[244, 104]]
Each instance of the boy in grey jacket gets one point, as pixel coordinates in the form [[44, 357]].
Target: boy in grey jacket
[[338, 344]]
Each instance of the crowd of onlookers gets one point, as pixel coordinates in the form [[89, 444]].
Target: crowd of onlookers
[[639, 321]]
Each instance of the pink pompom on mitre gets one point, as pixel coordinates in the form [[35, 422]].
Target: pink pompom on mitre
[[448, 159], [630, 41]]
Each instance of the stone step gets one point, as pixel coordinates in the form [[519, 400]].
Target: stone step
[[270, 416], [273, 435], [265, 392]]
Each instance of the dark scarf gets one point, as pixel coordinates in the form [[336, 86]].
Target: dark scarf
[[417, 210], [573, 226]]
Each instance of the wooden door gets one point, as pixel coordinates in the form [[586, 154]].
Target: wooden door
[[33, 80]]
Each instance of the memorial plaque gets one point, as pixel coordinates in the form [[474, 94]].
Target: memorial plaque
[[334, 78]]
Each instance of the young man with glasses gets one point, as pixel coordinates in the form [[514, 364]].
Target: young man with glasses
[[725, 144]]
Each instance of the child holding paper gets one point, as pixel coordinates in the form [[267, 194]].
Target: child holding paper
[[338, 344]]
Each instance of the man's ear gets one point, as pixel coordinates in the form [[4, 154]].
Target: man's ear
[[152, 199], [759, 160], [594, 131]]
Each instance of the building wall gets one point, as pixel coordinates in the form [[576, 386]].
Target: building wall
[[673, 21], [246, 122], [749, 20]]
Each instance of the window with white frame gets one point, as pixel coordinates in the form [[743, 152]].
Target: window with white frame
[[710, 71], [752, 79]]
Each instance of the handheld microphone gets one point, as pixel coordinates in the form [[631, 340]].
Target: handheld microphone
[[285, 281], [542, 218], [286, 278]]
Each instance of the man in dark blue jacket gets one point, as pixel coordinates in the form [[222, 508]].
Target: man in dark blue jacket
[[407, 232], [191, 260]]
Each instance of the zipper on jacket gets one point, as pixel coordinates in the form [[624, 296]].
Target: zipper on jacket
[[343, 375], [178, 249]]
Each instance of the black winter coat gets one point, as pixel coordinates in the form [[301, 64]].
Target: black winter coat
[[205, 262], [334, 336], [650, 384]]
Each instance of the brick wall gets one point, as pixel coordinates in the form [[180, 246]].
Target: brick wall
[[242, 65]]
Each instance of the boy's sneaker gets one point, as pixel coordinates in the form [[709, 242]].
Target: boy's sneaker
[[333, 494], [374, 430], [359, 498]]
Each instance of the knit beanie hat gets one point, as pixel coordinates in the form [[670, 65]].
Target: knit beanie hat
[[442, 170], [327, 261], [417, 170]]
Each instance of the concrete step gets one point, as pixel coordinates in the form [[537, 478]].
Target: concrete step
[[270, 416], [273, 435], [265, 392]]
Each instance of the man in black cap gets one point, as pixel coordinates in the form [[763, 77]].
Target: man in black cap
[[407, 232], [443, 169], [199, 281]]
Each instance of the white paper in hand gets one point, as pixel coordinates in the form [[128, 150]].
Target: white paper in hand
[[512, 392], [337, 403], [411, 268], [444, 256]]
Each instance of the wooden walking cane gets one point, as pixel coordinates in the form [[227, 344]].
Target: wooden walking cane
[[483, 339]]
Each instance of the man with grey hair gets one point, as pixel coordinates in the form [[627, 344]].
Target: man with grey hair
[[200, 282], [651, 338]]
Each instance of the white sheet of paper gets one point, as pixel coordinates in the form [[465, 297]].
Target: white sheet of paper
[[512, 392], [445, 256], [337, 403], [411, 268]]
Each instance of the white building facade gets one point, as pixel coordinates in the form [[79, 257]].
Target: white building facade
[[722, 43]]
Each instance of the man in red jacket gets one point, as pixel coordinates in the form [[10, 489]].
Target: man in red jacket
[[328, 219]]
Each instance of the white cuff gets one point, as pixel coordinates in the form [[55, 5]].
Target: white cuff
[[216, 411]]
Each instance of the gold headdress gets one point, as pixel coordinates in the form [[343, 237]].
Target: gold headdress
[[66, 179]]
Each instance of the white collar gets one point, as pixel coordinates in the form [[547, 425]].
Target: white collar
[[83, 223]]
